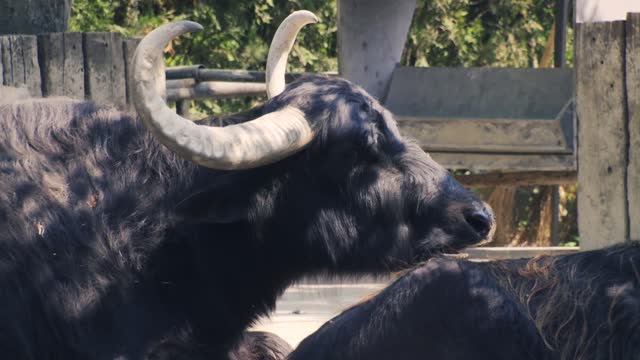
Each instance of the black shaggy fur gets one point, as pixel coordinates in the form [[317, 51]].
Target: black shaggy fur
[[583, 306], [259, 345], [112, 247]]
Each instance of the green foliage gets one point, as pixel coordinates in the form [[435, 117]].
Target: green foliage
[[479, 33]]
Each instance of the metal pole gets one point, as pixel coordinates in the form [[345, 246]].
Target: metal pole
[[182, 107], [199, 73], [560, 41], [559, 60]]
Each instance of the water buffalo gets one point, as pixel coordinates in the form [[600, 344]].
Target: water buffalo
[[580, 306], [121, 237]]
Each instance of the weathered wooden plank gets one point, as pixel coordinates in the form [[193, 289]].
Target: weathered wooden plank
[[7, 73], [129, 47], [100, 65], [97, 67], [504, 162], [62, 62], [528, 178], [371, 37], [73, 69], [118, 76], [1, 66], [20, 62], [51, 58], [633, 111], [602, 133], [31, 66], [17, 65], [486, 135]]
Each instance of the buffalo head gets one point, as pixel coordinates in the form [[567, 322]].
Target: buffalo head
[[319, 172]]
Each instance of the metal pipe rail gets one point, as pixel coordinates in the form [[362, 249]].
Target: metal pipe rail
[[199, 73], [196, 82], [212, 89]]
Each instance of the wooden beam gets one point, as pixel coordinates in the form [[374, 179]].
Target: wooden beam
[[371, 38], [1, 64], [633, 110], [528, 178], [505, 162], [486, 135], [602, 133], [29, 48]]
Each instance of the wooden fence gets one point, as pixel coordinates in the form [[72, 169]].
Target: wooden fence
[[79, 65], [95, 66], [607, 58]]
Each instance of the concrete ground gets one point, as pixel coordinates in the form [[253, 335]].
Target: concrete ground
[[304, 308]]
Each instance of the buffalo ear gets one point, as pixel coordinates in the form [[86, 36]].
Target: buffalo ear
[[222, 205]]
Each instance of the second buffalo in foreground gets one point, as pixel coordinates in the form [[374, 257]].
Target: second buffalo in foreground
[[583, 306]]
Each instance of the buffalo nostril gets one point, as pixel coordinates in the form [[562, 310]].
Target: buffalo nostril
[[480, 221]]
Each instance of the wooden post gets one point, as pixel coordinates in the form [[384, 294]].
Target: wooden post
[[182, 108], [20, 62], [602, 133], [1, 67], [17, 65], [371, 37], [129, 47], [5, 43], [62, 64], [633, 109], [51, 57], [104, 66]]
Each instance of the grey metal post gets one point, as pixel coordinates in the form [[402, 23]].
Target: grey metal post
[[559, 60], [371, 38]]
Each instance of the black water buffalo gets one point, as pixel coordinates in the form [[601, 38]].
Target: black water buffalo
[[579, 306], [122, 238]]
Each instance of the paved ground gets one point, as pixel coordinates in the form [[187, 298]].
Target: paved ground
[[304, 308]]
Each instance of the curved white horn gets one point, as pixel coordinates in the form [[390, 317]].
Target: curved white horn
[[281, 46], [265, 140]]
